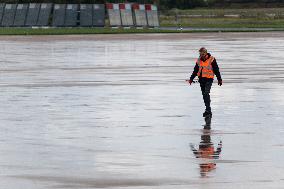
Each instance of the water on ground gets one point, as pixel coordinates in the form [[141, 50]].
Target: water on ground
[[113, 111]]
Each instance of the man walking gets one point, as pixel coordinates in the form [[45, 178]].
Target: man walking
[[205, 68]]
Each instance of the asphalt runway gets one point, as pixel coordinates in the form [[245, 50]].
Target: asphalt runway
[[114, 111]]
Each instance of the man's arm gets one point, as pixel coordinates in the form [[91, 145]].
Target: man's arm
[[216, 70], [195, 152], [218, 150], [194, 73]]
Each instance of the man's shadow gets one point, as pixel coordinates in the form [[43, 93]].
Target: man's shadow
[[206, 151]]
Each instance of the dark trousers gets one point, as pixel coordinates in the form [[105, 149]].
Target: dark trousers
[[205, 85]]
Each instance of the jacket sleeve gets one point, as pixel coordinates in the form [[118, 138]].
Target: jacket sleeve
[[195, 71], [216, 70]]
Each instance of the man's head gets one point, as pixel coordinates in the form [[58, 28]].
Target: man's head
[[202, 52]]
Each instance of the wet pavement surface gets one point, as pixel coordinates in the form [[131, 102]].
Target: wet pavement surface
[[111, 111]]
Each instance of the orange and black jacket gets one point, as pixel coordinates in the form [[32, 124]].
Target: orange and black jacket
[[215, 70], [207, 151]]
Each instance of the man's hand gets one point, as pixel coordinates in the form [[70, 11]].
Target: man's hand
[[192, 147], [189, 81], [220, 82]]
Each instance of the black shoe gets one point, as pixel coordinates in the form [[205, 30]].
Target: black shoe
[[207, 114]]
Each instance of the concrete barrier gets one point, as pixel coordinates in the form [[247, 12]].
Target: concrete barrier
[[9, 15], [21, 14], [44, 14], [152, 15], [71, 15], [140, 18], [2, 6], [113, 14], [126, 14], [58, 17], [39, 14], [32, 14], [86, 15], [98, 15]]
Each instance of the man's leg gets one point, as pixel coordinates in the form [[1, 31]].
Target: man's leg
[[202, 87], [206, 95]]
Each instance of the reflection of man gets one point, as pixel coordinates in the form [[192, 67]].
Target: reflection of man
[[207, 152]]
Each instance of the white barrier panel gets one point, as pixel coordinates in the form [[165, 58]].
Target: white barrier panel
[[152, 15], [139, 15], [113, 14], [126, 14]]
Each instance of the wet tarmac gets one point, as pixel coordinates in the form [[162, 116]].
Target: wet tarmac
[[113, 111]]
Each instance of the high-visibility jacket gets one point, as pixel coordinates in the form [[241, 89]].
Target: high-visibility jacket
[[207, 153], [207, 167], [205, 68]]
